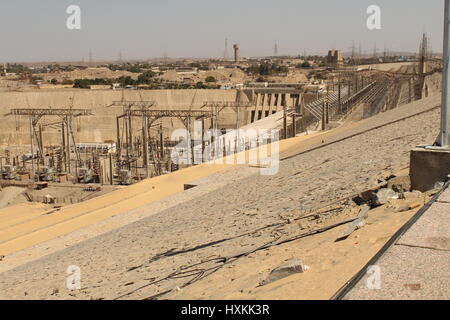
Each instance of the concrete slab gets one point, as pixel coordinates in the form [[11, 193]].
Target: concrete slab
[[428, 166], [432, 230], [408, 273], [445, 196], [417, 266]]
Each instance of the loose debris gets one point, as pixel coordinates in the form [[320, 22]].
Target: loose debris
[[384, 195], [357, 224], [286, 269]]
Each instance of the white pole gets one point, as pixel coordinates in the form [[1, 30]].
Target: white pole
[[444, 135]]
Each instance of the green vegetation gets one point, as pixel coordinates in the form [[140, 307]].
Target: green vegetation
[[146, 77], [318, 75], [86, 83], [267, 69], [210, 79], [305, 64], [17, 68]]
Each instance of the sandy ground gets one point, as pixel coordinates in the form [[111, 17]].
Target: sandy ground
[[76, 216], [172, 247], [11, 196], [330, 264], [44, 227], [89, 73]]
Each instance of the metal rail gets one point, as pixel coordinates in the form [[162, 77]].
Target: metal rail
[[49, 112], [130, 104], [169, 113]]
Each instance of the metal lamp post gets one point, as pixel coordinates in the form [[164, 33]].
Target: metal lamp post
[[443, 139]]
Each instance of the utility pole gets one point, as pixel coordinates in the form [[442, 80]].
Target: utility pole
[[285, 121], [323, 116], [111, 174], [339, 93], [444, 134], [161, 141], [91, 59], [32, 149], [294, 124], [145, 144], [225, 53], [68, 143]]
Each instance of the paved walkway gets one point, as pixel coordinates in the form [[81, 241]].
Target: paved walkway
[[418, 265]]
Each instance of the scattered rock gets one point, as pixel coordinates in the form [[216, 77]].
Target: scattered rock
[[412, 195], [439, 185], [286, 269], [2, 257], [400, 184], [176, 289], [384, 195], [401, 208]]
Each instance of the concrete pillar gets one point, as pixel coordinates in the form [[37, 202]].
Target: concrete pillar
[[270, 103], [428, 166]]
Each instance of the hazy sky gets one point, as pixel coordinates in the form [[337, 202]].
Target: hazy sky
[[33, 30]]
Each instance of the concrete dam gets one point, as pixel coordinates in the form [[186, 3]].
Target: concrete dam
[[101, 126]]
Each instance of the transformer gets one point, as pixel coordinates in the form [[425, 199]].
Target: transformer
[[125, 177], [46, 174], [9, 172], [85, 175]]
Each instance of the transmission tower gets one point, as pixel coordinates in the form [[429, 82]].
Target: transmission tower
[[91, 60], [225, 52], [353, 53], [423, 53]]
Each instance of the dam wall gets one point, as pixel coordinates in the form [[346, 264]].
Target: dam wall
[[102, 125]]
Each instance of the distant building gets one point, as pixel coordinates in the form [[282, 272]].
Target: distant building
[[54, 86], [187, 70], [237, 54], [100, 87], [335, 58]]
